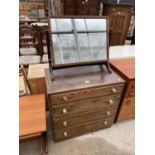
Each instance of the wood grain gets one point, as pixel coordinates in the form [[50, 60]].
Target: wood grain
[[78, 107], [32, 116], [83, 129], [127, 109], [72, 79], [126, 69]]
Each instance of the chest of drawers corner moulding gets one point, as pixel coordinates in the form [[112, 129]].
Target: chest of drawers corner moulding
[[126, 69], [73, 101]]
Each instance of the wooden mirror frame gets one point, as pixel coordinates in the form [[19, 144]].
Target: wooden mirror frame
[[51, 57]]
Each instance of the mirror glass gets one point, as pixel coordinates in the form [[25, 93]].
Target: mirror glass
[[77, 40]]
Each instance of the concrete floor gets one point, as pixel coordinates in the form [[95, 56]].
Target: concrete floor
[[117, 140]]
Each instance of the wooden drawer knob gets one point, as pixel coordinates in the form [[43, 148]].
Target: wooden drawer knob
[[105, 123], [64, 123], [128, 103], [131, 93], [65, 134], [114, 90], [108, 113], [64, 98], [64, 111], [111, 102], [133, 86]]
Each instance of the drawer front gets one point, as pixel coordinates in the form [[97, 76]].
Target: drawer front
[[82, 2], [85, 94], [69, 2], [131, 89], [87, 3], [69, 11], [67, 122], [127, 109], [79, 130], [93, 11], [83, 11], [94, 104]]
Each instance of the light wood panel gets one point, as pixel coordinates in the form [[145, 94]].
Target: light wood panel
[[32, 116]]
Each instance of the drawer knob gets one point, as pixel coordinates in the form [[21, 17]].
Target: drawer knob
[[108, 113], [64, 111], [64, 98], [128, 103], [111, 102], [105, 123], [65, 134], [64, 123], [131, 93], [114, 90]]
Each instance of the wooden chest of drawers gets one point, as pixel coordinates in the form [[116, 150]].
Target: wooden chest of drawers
[[82, 100], [80, 7], [126, 69]]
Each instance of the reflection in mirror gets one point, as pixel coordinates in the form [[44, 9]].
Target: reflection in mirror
[[78, 40]]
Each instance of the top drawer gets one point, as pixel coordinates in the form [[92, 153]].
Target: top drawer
[[84, 94]]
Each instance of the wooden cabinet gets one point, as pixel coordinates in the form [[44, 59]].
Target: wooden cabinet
[[77, 94], [80, 7], [119, 21], [36, 79], [126, 68], [34, 8]]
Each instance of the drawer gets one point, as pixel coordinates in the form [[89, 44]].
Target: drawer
[[69, 11], [93, 3], [69, 2], [87, 3], [83, 10], [85, 94], [67, 122], [93, 11], [91, 105], [79, 130], [130, 92], [127, 109], [82, 2]]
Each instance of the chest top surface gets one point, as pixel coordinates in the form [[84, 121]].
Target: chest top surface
[[125, 66], [77, 78]]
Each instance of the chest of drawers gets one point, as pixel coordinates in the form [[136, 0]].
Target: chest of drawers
[[80, 7], [82, 100], [126, 69]]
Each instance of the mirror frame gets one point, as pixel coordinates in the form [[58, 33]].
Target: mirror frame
[[66, 65]]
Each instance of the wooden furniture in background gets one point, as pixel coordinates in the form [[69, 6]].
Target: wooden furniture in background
[[126, 69], [76, 7], [33, 8], [32, 125], [32, 119], [29, 47], [36, 79], [24, 87], [119, 21], [79, 93]]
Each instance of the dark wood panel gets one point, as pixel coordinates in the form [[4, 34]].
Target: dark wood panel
[[76, 131], [85, 94], [76, 120], [85, 105], [119, 20], [81, 7], [127, 109]]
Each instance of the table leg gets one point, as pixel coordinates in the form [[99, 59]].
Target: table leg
[[44, 144]]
